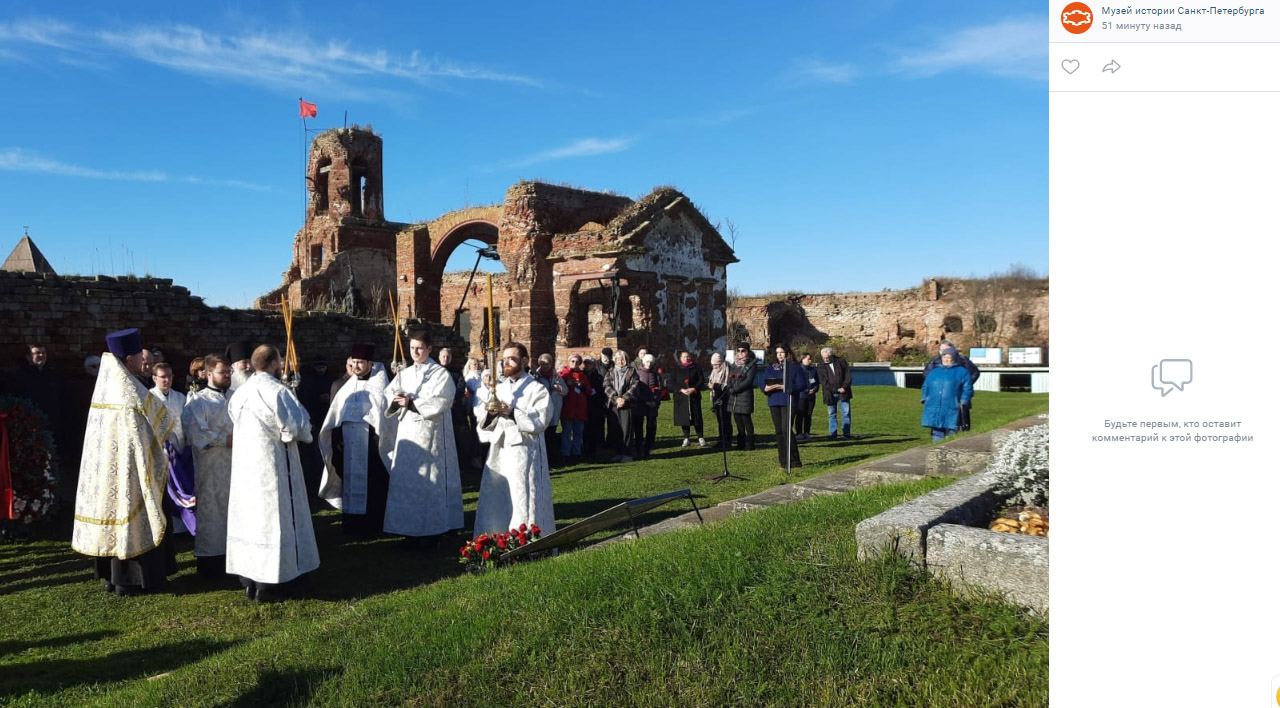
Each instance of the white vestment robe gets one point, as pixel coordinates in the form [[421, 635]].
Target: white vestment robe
[[516, 486], [425, 496], [208, 426], [357, 407], [175, 402], [269, 534], [123, 469]]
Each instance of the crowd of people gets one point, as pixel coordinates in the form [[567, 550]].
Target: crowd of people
[[234, 459], [228, 461]]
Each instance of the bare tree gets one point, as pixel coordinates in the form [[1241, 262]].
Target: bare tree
[[997, 308]]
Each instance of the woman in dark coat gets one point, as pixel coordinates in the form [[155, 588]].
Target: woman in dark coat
[[808, 397], [783, 382], [645, 419], [742, 396], [946, 389], [593, 437], [687, 384], [622, 389]]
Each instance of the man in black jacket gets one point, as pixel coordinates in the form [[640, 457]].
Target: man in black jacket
[[837, 391], [742, 395]]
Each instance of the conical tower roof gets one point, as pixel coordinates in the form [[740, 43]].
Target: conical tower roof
[[26, 257]]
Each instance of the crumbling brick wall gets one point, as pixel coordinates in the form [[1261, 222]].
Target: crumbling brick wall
[[895, 321], [71, 316], [532, 213]]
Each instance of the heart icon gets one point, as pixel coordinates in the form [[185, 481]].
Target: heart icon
[[1070, 65]]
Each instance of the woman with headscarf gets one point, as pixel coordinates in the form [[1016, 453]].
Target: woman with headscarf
[[718, 382], [622, 386], [946, 390]]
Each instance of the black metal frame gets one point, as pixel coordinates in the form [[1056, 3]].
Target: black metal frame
[[490, 252]]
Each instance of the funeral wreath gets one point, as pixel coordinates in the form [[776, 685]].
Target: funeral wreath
[[28, 462], [484, 550]]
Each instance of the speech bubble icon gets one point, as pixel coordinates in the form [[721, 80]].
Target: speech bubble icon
[[1173, 373]]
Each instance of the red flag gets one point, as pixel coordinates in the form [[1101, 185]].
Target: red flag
[[306, 110]]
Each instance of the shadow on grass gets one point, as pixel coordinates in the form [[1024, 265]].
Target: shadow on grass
[[279, 688], [58, 674], [64, 573], [23, 553], [354, 568], [18, 647]]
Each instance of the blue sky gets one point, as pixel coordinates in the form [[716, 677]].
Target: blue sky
[[856, 146]]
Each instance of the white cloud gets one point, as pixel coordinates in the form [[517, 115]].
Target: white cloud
[[18, 160], [273, 60], [1015, 48], [815, 71], [585, 147], [49, 33]]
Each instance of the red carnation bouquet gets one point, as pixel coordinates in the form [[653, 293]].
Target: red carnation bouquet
[[484, 550], [28, 463]]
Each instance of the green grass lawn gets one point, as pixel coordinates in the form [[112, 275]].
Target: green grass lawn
[[766, 608], [886, 420]]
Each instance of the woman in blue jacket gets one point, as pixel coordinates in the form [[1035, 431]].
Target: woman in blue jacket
[[946, 389], [784, 393]]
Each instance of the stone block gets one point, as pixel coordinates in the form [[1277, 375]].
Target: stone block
[[904, 528], [959, 457], [1000, 435], [832, 483], [781, 494], [1014, 566]]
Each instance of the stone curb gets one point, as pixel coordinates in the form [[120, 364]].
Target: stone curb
[[904, 528], [906, 466], [1014, 566]]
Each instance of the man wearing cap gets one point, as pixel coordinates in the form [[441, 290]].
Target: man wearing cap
[[241, 369], [425, 495], [356, 441], [210, 434], [516, 486], [119, 513], [270, 539]]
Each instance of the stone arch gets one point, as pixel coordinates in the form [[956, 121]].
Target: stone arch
[[788, 322], [480, 229]]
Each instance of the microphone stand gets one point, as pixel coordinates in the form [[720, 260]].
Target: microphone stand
[[724, 443], [786, 387]]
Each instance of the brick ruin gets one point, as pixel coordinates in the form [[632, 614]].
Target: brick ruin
[[72, 315], [993, 312], [585, 269]]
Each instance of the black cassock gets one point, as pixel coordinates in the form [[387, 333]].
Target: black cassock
[[379, 479]]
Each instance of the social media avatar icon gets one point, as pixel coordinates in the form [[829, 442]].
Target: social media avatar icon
[[1077, 18], [1170, 374]]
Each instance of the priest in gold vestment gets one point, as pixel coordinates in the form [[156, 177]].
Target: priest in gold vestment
[[119, 514]]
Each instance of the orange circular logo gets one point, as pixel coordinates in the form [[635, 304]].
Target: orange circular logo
[[1077, 18]]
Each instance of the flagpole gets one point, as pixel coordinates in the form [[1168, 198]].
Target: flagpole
[[304, 161]]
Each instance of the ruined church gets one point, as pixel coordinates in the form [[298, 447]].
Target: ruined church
[[584, 269]]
